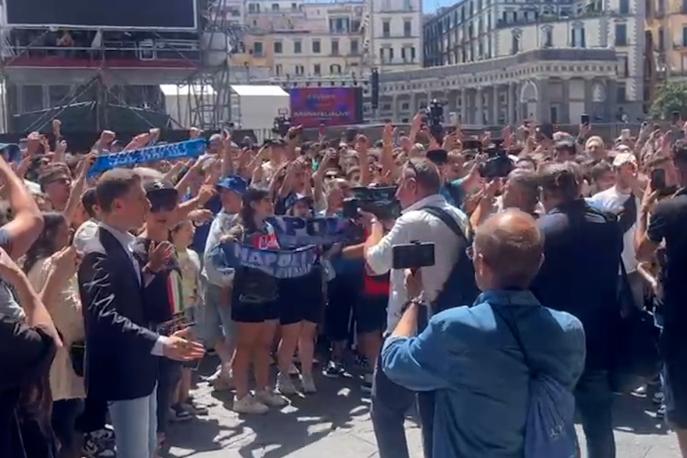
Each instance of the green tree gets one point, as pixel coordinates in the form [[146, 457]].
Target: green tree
[[670, 97]]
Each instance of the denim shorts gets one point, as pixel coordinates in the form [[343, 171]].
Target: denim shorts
[[214, 318]]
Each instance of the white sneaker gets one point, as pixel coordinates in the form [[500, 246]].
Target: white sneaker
[[285, 384], [293, 370], [222, 380], [308, 384], [250, 405], [271, 399]]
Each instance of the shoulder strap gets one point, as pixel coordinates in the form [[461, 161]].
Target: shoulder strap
[[513, 330], [447, 219]]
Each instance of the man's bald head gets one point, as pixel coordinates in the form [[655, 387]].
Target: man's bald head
[[511, 246]]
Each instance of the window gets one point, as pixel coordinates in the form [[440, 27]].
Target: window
[[294, 7], [578, 36], [335, 47], [547, 41], [253, 7], [684, 36], [300, 70], [278, 47], [297, 47], [407, 5], [354, 47], [257, 49], [515, 42], [621, 92], [316, 46], [275, 6], [624, 67], [317, 69], [278, 69], [335, 69], [386, 29], [621, 35], [407, 28], [624, 7]]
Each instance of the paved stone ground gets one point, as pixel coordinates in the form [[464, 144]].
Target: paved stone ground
[[336, 423]]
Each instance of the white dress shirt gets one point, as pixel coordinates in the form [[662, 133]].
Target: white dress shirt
[[420, 226]]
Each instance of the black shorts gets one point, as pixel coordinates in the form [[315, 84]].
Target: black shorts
[[250, 312], [342, 295], [301, 299], [370, 313]]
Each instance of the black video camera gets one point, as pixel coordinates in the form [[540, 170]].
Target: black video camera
[[282, 124], [435, 118], [381, 202], [498, 164]]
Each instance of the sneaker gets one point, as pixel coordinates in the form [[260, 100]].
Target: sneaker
[[661, 412], [271, 399], [249, 405], [334, 369], [293, 370], [367, 383], [178, 414], [194, 408], [658, 398], [98, 444], [308, 384], [285, 384]]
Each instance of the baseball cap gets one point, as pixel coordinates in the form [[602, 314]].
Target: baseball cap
[[162, 195], [233, 183], [293, 199], [624, 158], [54, 173], [565, 143]]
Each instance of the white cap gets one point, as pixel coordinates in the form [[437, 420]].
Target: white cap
[[624, 158]]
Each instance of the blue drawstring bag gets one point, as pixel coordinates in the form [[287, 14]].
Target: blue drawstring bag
[[550, 427]]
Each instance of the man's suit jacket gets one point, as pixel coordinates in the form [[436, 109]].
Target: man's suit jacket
[[119, 363]]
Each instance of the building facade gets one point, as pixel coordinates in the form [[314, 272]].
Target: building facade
[[542, 85], [484, 30], [666, 43]]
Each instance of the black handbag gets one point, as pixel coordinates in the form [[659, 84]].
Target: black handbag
[[77, 355], [635, 358]]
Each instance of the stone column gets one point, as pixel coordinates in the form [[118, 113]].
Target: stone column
[[464, 106], [479, 119], [511, 117], [496, 105]]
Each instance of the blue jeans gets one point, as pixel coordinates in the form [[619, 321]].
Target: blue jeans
[[594, 400], [390, 403], [135, 424]]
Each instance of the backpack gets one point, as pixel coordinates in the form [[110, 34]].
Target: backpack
[[550, 427], [460, 287]]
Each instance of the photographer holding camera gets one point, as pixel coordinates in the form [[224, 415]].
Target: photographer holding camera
[[418, 193]]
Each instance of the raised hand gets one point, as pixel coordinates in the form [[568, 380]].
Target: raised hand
[[159, 255]]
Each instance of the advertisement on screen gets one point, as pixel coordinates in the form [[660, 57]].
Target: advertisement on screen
[[311, 106], [104, 14]]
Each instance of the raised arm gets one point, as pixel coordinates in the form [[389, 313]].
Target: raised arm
[[19, 234]]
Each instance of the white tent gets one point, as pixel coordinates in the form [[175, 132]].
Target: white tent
[[255, 106]]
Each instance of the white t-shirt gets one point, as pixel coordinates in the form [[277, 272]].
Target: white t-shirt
[[612, 201]]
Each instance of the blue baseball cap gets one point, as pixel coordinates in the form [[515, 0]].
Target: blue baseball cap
[[233, 183]]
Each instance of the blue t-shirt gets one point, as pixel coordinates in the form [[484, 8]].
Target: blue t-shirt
[[201, 235]]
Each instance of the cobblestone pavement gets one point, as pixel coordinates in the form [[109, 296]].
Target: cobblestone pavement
[[336, 422]]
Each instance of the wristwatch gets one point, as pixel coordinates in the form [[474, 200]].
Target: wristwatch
[[415, 301]]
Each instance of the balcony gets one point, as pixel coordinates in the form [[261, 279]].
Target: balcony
[[145, 62]]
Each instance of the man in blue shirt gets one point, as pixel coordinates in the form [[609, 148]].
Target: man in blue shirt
[[471, 359]]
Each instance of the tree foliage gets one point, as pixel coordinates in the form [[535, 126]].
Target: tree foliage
[[670, 97]]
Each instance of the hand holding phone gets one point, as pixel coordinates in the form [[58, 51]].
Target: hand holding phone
[[413, 255]]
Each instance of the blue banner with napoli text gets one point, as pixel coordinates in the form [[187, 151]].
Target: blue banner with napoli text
[[187, 149], [294, 231], [276, 263]]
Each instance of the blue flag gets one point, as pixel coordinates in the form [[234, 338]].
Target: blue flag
[[186, 149], [294, 231], [276, 263]]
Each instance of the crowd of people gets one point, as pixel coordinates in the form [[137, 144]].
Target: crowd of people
[[114, 286]]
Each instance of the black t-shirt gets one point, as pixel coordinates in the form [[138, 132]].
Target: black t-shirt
[[160, 307], [669, 222]]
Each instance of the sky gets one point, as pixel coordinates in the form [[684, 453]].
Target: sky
[[430, 6]]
